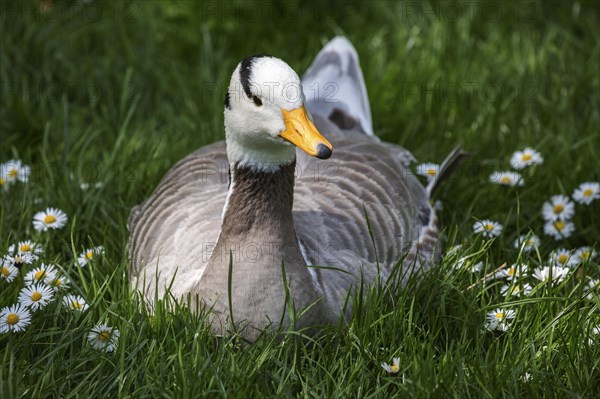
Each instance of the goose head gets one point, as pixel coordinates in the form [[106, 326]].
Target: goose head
[[265, 117]]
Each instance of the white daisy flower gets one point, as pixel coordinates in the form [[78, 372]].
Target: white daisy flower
[[515, 290], [559, 229], [460, 263], [26, 247], [57, 281], [394, 368], [552, 274], [51, 218], [527, 157], [528, 243], [14, 318], [562, 257], [587, 192], [40, 274], [14, 170], [474, 268], [89, 254], [7, 271], [477, 267], [103, 337], [584, 254], [36, 296], [75, 302], [21, 259], [515, 271], [500, 319], [507, 178], [429, 170], [488, 228], [558, 208]]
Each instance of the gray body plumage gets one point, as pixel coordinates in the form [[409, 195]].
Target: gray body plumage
[[174, 233], [178, 226]]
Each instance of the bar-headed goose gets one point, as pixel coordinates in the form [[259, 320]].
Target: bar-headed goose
[[227, 221]]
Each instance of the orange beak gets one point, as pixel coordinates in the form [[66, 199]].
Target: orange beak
[[300, 131]]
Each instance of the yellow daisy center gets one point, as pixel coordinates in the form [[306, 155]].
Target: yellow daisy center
[[488, 226], [12, 173], [394, 368], [12, 319], [36, 296], [76, 305], [499, 315], [25, 248], [528, 243], [587, 192], [505, 180], [562, 258], [558, 208], [512, 271], [560, 225], [430, 172], [104, 336], [56, 282], [5, 271], [526, 157], [89, 254], [585, 255], [40, 275], [49, 219], [2, 181]]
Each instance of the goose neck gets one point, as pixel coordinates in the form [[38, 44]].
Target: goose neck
[[259, 200]]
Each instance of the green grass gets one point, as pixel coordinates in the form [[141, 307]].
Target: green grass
[[117, 92]]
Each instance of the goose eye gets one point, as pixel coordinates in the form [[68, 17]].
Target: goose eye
[[257, 101]]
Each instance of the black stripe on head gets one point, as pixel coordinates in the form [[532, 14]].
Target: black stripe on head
[[227, 101], [245, 70]]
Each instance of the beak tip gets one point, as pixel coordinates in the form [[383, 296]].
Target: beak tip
[[323, 152]]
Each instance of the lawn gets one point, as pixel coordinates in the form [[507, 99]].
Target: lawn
[[101, 98]]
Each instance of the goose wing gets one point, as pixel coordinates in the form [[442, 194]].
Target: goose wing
[[177, 226], [363, 180], [334, 86]]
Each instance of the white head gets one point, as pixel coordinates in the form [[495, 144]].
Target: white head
[[265, 116]]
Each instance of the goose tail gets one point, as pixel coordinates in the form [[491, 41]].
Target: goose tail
[[334, 87], [452, 161]]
